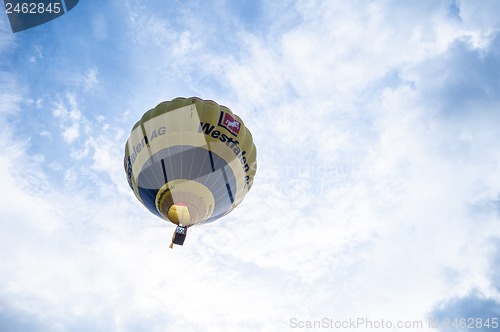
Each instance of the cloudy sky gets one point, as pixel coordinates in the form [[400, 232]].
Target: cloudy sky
[[377, 196]]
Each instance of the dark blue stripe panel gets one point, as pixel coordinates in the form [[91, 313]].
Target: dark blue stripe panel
[[148, 197]]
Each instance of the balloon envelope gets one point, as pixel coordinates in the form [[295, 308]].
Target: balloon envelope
[[190, 161]]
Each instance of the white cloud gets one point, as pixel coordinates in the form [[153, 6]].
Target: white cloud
[[89, 79], [45, 133], [6, 37], [71, 119], [417, 188], [36, 54]]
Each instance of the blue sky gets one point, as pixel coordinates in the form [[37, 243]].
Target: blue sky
[[377, 126]]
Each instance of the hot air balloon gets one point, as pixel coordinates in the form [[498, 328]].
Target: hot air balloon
[[190, 161]]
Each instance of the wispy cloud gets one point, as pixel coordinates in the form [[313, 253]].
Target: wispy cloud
[[89, 79], [70, 117]]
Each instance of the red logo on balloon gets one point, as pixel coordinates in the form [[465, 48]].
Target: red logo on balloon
[[228, 122]]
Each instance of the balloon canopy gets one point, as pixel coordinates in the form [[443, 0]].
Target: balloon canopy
[[190, 161]]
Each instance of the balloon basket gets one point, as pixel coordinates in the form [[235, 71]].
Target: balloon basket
[[179, 235]]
